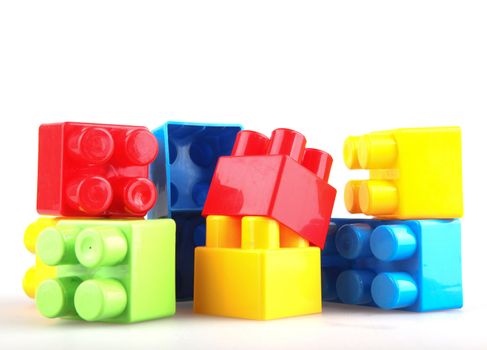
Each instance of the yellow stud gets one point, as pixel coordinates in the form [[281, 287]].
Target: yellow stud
[[223, 231], [350, 155], [290, 239], [351, 196], [259, 232], [376, 151], [377, 197]]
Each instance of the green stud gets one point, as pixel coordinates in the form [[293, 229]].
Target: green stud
[[100, 299], [54, 297], [55, 246], [100, 246]]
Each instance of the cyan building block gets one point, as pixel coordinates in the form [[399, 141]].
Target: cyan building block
[[413, 265], [183, 169]]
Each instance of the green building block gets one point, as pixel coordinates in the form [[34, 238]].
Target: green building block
[[118, 271]]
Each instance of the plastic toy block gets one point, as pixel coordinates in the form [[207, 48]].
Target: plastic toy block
[[277, 178], [414, 173], [412, 265], [244, 271], [95, 170], [118, 271], [40, 271], [185, 164], [190, 233]]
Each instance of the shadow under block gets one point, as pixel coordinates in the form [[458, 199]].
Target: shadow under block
[[118, 271], [40, 271], [95, 170], [414, 173], [252, 276], [277, 178], [182, 171], [413, 265]]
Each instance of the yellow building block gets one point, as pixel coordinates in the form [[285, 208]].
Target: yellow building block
[[414, 173], [40, 271], [261, 280]]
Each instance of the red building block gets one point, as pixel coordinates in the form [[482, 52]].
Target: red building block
[[95, 170], [278, 178]]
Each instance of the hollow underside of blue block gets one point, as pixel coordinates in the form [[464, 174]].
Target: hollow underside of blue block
[[184, 167], [190, 233]]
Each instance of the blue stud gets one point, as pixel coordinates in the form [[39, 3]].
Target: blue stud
[[352, 241], [392, 242], [394, 290], [353, 286]]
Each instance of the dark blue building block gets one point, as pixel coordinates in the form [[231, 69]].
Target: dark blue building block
[[183, 169], [413, 265], [190, 233]]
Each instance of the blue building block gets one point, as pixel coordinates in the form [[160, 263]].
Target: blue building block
[[412, 265], [183, 169], [190, 233]]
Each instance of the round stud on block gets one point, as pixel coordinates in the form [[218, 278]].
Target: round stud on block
[[318, 162], [392, 242], [139, 195], [55, 246], [377, 151], [353, 286], [101, 246], [350, 152], [202, 154], [378, 197], [259, 232], [290, 239], [394, 290], [29, 283], [287, 142], [91, 195], [92, 145], [140, 147], [352, 241], [351, 196], [250, 143], [200, 192], [54, 297], [223, 231], [100, 299]]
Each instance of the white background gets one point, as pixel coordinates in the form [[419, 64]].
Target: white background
[[327, 69]]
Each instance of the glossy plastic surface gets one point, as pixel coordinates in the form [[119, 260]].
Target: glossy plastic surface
[[278, 178], [40, 271], [414, 173], [254, 268], [190, 233], [95, 170], [413, 265], [182, 171], [119, 271]]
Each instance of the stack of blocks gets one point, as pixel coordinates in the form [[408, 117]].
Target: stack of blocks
[[117, 269], [267, 202], [409, 257]]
